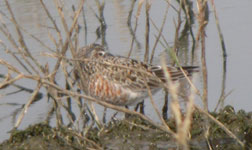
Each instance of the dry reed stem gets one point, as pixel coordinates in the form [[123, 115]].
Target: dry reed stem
[[69, 33], [85, 25], [53, 22], [186, 6], [25, 31], [101, 19], [189, 80], [159, 33], [201, 36], [222, 98], [186, 125], [162, 36], [140, 3], [156, 110], [189, 19], [132, 33], [147, 30], [183, 126], [205, 75], [6, 32], [8, 80], [138, 125], [9, 66], [25, 109], [69, 85], [224, 55], [147, 37], [22, 43], [177, 29], [131, 12], [221, 125]]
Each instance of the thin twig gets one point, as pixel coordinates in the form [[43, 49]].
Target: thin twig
[[24, 110]]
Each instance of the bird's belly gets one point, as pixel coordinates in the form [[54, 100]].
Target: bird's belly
[[114, 93], [133, 97]]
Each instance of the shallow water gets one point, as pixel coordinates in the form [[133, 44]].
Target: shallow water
[[235, 23]]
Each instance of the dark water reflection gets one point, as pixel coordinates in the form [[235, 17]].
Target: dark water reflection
[[231, 83]]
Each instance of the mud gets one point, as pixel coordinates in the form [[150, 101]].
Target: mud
[[134, 133]]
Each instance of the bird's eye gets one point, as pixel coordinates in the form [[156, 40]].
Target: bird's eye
[[101, 53]]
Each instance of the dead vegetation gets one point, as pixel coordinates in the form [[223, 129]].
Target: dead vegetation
[[62, 95]]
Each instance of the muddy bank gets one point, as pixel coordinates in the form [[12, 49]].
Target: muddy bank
[[134, 133]]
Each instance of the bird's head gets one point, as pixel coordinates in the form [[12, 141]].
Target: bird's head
[[91, 51]]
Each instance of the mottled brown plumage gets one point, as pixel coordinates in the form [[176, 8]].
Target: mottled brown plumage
[[120, 80]]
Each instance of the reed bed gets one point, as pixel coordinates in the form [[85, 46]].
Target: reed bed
[[68, 41]]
